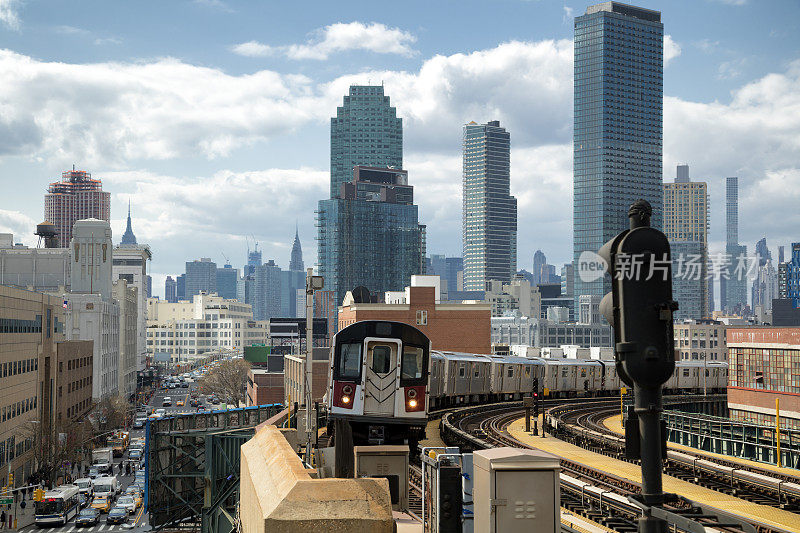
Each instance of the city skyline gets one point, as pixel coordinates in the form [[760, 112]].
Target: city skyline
[[175, 181]]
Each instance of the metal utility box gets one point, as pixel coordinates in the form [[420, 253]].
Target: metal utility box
[[516, 490], [390, 462]]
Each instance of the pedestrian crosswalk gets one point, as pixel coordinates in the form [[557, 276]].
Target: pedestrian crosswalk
[[100, 528]]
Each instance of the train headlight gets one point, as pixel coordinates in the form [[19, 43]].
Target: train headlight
[[343, 395], [414, 402]]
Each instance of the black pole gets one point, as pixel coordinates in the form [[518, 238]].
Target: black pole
[[648, 407], [527, 420]]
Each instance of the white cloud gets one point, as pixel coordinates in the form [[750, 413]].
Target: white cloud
[[71, 30], [728, 70], [120, 114], [100, 41], [8, 14], [20, 224], [339, 37], [567, 18], [108, 113], [671, 49], [253, 49]]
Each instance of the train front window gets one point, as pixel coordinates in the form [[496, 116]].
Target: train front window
[[381, 359], [350, 361], [411, 365]]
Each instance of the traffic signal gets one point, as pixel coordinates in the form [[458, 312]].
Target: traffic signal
[[38, 495], [640, 305], [535, 396], [11, 480]]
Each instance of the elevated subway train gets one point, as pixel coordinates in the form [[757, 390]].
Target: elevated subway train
[[460, 378], [384, 378]]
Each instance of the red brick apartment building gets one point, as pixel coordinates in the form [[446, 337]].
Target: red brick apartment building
[[764, 366], [457, 327]]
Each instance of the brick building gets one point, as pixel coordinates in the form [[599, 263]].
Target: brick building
[[73, 380], [700, 340], [294, 376], [458, 327], [764, 366], [264, 386]]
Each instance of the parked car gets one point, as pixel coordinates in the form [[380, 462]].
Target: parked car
[[87, 517], [117, 515]]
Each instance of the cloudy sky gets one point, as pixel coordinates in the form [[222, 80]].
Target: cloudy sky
[[212, 116]]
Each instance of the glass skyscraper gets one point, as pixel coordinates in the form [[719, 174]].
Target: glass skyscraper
[[365, 131], [370, 236], [618, 125], [489, 212], [733, 283], [369, 233]]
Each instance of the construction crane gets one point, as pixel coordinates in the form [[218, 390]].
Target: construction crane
[[227, 261]]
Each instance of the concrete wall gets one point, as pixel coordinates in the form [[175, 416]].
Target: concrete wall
[[277, 494]]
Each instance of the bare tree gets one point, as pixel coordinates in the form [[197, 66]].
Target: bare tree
[[228, 381], [112, 413], [58, 447]]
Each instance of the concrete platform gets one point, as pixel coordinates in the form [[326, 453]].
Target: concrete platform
[[581, 523], [614, 423], [432, 436], [762, 513]]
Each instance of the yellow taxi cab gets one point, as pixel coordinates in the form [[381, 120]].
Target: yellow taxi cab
[[137, 498], [181, 403], [102, 504]]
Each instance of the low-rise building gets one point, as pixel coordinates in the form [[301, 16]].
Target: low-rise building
[[700, 340], [185, 329], [545, 333], [294, 373], [264, 386], [37, 269], [764, 373], [518, 296], [459, 327], [73, 380]]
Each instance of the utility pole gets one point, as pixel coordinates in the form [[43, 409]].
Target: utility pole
[[640, 308], [313, 283]]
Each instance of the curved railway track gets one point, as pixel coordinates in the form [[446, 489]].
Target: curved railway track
[[597, 495], [583, 427]]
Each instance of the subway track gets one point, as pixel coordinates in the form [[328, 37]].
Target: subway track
[[597, 495], [583, 427]]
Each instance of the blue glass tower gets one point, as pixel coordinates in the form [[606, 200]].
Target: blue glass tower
[[365, 131], [618, 125], [370, 236], [368, 233], [489, 212]]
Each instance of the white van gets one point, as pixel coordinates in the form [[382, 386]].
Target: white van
[[106, 486]]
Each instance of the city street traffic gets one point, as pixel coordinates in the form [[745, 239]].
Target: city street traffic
[[172, 398]]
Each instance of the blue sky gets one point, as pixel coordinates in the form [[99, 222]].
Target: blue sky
[[212, 116]]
